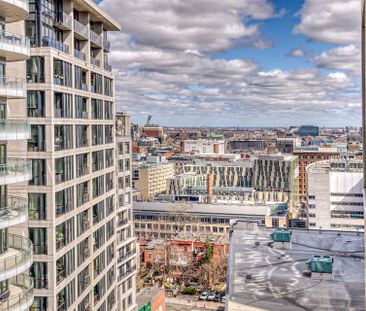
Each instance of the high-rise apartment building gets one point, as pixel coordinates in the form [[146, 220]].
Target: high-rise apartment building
[[126, 242], [16, 250], [71, 108]]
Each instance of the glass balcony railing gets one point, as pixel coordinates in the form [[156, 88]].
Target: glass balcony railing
[[14, 211], [12, 87], [15, 170], [95, 61], [106, 44], [14, 129], [16, 10], [18, 258], [107, 67], [64, 21], [14, 47], [53, 43], [95, 38], [21, 294], [79, 54], [81, 30]]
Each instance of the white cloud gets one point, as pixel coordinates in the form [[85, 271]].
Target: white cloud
[[335, 21], [296, 53]]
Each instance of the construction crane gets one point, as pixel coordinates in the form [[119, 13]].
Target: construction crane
[[148, 120]]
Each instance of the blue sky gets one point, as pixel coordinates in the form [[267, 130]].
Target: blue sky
[[239, 62]]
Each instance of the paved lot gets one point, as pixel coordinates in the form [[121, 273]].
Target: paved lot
[[183, 303], [178, 307]]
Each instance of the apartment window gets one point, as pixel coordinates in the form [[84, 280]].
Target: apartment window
[[98, 238], [82, 222], [109, 204], [37, 206], [99, 264], [81, 164], [97, 134], [81, 110], [80, 78], [109, 182], [82, 193], [63, 105], [35, 69], [127, 148], [108, 110], [99, 290], [83, 281], [37, 140], [81, 136], [110, 253], [96, 83], [109, 157], [64, 201], [38, 272], [38, 172], [108, 134], [39, 304], [62, 73], [85, 304], [38, 236], [83, 251], [110, 229], [96, 109], [63, 137], [65, 266], [98, 186], [98, 212], [65, 233], [30, 28], [110, 277], [97, 160], [35, 104], [64, 169], [66, 297], [108, 86]]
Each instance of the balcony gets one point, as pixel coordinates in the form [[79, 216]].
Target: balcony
[[95, 61], [95, 39], [17, 259], [14, 47], [50, 42], [14, 10], [14, 130], [14, 171], [14, 211], [108, 67], [12, 87], [106, 44], [79, 54], [21, 294], [81, 30], [63, 21]]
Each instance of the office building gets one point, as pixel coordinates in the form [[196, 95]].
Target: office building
[[203, 146], [308, 155], [247, 145], [16, 250], [71, 108], [260, 279], [276, 178], [288, 144], [334, 195], [125, 240], [150, 176], [308, 130], [184, 183]]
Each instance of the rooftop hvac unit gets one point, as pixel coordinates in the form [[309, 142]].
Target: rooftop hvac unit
[[281, 235], [320, 264]]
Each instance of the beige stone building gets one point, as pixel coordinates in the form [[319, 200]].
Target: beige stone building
[[150, 177]]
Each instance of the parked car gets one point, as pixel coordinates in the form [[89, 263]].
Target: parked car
[[211, 297], [217, 298], [203, 296], [223, 298]]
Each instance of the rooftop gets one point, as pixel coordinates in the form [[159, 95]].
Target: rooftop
[[147, 294], [264, 278]]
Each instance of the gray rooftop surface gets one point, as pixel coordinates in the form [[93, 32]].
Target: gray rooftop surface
[[278, 283]]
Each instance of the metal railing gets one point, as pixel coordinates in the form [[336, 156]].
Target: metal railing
[[12, 87], [81, 29], [21, 300], [36, 77], [95, 38], [79, 54], [21, 258], [15, 169], [14, 208], [64, 19], [14, 43], [14, 129], [53, 43]]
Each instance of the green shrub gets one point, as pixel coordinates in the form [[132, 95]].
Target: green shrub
[[190, 291]]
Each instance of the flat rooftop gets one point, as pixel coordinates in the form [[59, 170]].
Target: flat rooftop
[[277, 282]]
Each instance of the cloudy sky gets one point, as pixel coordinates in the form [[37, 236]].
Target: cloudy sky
[[238, 62]]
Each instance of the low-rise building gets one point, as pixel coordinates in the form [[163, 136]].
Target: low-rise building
[[288, 144], [203, 146], [151, 299]]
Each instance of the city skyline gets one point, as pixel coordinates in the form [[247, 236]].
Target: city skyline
[[238, 63]]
